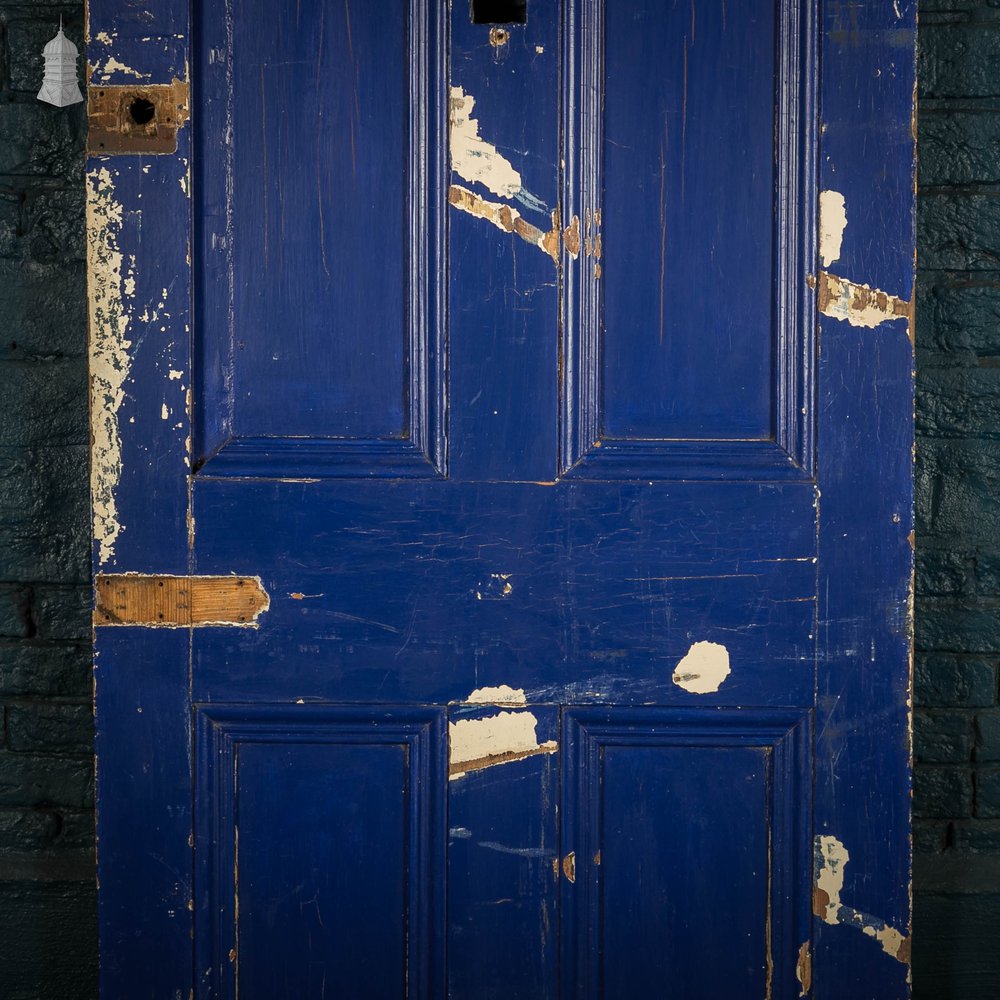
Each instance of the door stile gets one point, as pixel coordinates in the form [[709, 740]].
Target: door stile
[[138, 250], [861, 900]]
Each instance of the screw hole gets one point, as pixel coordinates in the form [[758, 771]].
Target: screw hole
[[142, 111]]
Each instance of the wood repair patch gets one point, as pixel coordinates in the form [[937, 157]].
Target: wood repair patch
[[179, 601]]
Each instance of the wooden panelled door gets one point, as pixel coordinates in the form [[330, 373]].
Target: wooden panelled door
[[502, 497]]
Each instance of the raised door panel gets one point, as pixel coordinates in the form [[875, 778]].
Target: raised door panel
[[317, 341], [321, 847], [687, 320], [685, 846]]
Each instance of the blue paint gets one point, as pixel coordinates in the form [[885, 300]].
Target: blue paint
[[458, 460]]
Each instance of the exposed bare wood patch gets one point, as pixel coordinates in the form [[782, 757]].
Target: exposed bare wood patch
[[860, 305], [179, 601], [136, 118], [456, 770], [569, 866], [571, 237], [804, 969], [507, 218]]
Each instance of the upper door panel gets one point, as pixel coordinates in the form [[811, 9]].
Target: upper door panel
[[315, 330], [690, 148]]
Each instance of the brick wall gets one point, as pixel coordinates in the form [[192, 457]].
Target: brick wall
[[47, 913], [957, 795]]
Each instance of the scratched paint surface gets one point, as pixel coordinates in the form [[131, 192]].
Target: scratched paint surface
[[508, 396]]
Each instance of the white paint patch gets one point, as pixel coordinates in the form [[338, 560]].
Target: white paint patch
[[703, 668], [832, 223], [831, 861], [472, 157], [474, 744], [109, 319], [101, 74], [164, 412], [478, 161], [174, 375], [502, 695]]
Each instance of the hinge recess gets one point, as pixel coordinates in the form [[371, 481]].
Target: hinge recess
[[178, 601]]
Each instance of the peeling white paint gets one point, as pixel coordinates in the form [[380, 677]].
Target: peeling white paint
[[109, 317], [477, 161], [859, 305], [102, 74], [474, 744], [703, 669], [164, 412], [174, 375], [501, 695], [472, 157], [832, 223], [831, 858]]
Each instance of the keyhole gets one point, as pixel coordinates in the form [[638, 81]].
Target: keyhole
[[142, 111], [499, 11]]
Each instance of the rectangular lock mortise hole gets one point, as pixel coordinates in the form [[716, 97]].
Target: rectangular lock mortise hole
[[499, 11]]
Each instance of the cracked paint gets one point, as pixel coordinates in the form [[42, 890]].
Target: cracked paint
[[703, 668], [475, 744], [860, 305], [830, 861], [109, 317], [832, 223]]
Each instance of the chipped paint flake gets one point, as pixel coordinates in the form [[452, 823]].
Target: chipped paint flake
[[109, 316], [803, 969], [501, 695], [859, 305], [571, 237], [477, 161], [703, 669], [832, 223], [102, 73], [831, 858], [474, 744], [507, 218]]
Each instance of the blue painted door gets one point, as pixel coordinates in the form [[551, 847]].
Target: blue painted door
[[502, 455]]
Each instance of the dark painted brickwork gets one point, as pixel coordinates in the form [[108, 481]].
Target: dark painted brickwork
[[957, 798], [47, 911], [47, 936]]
